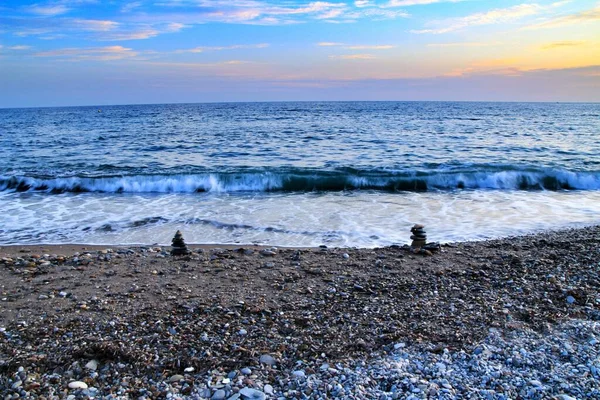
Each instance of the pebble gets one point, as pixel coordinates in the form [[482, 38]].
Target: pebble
[[570, 299], [219, 395], [176, 378], [92, 365], [299, 374], [249, 393], [78, 385], [268, 389], [246, 371], [267, 359]]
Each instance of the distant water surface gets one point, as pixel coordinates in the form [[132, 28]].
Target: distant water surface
[[296, 174]]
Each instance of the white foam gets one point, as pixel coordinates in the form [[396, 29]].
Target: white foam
[[363, 219]]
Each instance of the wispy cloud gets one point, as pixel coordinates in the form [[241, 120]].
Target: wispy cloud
[[406, 3], [353, 57], [362, 3], [94, 25], [19, 47], [203, 49], [138, 34], [269, 13], [48, 10], [500, 15], [558, 45], [586, 16], [129, 7], [140, 31], [108, 53], [464, 44], [356, 47]]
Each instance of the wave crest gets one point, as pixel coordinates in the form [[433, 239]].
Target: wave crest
[[311, 180]]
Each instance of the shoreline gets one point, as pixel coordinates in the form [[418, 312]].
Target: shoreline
[[70, 248], [140, 313]]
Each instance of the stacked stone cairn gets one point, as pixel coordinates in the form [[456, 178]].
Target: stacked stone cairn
[[419, 238], [178, 246]]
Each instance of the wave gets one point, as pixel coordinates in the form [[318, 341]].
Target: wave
[[304, 180]]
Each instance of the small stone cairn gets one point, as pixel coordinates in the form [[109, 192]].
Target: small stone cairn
[[419, 238], [178, 246], [419, 243]]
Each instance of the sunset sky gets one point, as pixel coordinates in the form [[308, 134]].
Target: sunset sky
[[86, 52]]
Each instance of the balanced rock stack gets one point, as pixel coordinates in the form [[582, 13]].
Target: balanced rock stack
[[419, 238], [178, 246]]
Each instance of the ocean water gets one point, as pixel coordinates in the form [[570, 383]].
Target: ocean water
[[296, 174]]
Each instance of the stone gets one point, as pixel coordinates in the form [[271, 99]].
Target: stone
[[176, 378], [219, 395], [570, 299], [565, 397], [92, 365], [178, 246], [299, 374], [267, 359], [78, 385], [189, 369], [246, 371], [268, 389], [419, 238], [249, 393]]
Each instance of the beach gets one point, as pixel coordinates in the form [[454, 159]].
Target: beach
[[251, 321]]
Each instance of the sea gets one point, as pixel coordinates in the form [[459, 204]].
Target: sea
[[343, 174]]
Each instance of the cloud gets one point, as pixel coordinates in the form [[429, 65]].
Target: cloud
[[141, 34], [406, 3], [108, 53], [367, 47], [48, 10], [356, 47], [463, 44], [500, 15], [128, 7], [220, 48], [353, 57], [273, 13], [20, 47], [94, 25], [557, 45], [141, 31], [586, 16]]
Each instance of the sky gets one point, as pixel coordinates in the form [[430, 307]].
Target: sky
[[87, 52]]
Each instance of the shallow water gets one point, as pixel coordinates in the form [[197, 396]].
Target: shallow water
[[362, 219]]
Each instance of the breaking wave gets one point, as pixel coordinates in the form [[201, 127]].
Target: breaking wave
[[305, 180]]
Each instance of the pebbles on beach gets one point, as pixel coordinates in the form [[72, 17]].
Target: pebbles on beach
[[493, 318]]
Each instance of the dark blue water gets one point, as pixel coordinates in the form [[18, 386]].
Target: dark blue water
[[57, 159]]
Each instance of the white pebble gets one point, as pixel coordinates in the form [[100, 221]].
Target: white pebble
[[78, 385]]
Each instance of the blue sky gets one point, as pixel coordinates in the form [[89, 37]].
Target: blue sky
[[86, 52]]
